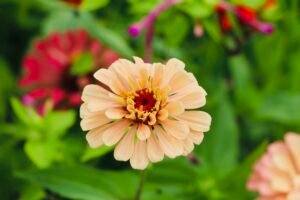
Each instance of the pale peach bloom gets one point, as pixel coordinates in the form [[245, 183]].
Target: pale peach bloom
[[276, 176], [147, 111]]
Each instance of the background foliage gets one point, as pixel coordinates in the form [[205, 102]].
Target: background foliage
[[253, 98]]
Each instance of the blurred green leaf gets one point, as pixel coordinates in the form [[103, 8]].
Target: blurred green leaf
[[179, 25], [32, 192], [67, 20], [281, 108], [221, 142], [85, 183], [20, 111], [234, 184], [212, 29], [42, 153], [197, 9], [58, 122], [95, 153], [244, 86], [93, 4], [82, 65]]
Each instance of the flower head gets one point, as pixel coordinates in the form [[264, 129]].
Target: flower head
[[47, 68], [147, 111], [276, 176]]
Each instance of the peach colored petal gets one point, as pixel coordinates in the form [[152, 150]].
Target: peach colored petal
[[94, 92], [281, 183], [178, 129], [281, 158], [139, 158], [293, 142], [163, 114], [125, 147], [194, 100], [188, 146], [143, 131], [154, 150], [115, 113], [175, 108], [173, 65], [197, 137], [171, 146], [94, 136], [293, 196], [180, 81], [197, 120], [94, 121], [102, 76], [158, 74], [114, 133]]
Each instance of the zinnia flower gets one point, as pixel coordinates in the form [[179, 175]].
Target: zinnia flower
[[147, 111], [47, 68], [276, 176]]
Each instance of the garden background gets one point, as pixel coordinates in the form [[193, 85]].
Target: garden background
[[252, 80]]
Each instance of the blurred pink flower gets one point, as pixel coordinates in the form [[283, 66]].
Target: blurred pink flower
[[147, 112], [276, 176], [47, 68]]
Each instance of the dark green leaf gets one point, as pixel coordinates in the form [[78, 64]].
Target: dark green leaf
[[85, 183]]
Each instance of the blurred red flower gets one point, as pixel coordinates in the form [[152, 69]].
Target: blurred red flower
[[246, 16], [73, 2], [47, 68]]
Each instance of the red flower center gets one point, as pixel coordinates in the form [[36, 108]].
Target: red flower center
[[144, 100]]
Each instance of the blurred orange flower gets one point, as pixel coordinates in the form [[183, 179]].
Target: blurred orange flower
[[147, 112]]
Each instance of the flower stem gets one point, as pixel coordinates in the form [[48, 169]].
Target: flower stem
[[141, 185]]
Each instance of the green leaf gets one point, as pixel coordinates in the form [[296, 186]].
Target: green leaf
[[179, 25], [197, 9], [234, 184], [212, 29], [87, 21], [243, 81], [85, 183], [82, 65], [42, 153], [281, 108], [95, 153], [20, 111], [221, 142], [93, 4], [32, 192], [58, 122]]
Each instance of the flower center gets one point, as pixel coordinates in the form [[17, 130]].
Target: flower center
[[144, 100]]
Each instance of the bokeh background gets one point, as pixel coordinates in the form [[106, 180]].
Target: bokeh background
[[252, 79]]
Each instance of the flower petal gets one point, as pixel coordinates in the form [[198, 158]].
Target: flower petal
[[115, 113], [94, 137], [197, 120], [154, 150], [143, 131], [139, 158], [125, 147], [114, 133], [178, 129], [293, 142], [175, 108], [94, 121], [170, 145]]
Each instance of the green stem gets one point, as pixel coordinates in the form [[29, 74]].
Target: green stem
[[140, 186]]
